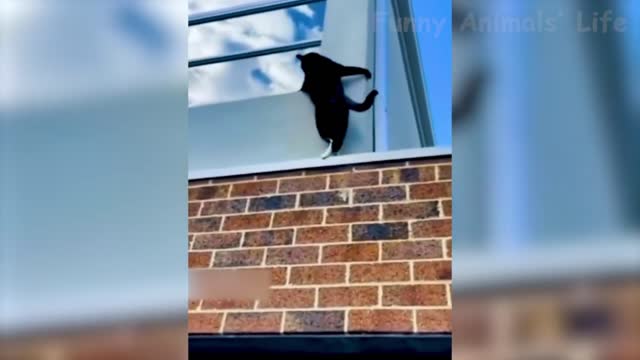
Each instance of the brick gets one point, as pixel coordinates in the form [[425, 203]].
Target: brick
[[205, 323], [217, 241], [293, 255], [348, 296], [190, 237], [430, 190], [280, 174], [409, 250], [379, 194], [193, 304], [208, 192], [431, 228], [352, 214], [409, 175], [444, 172], [209, 224], [448, 246], [350, 253], [318, 275], [224, 207], [348, 180], [314, 321], [268, 238], [414, 295], [411, 211], [362, 273], [297, 218], [386, 231], [434, 321], [382, 320], [199, 259], [446, 207], [234, 258], [277, 202], [194, 208], [432, 270], [303, 184], [244, 222], [278, 275], [289, 298], [263, 322], [325, 198], [380, 165], [254, 188], [225, 304], [322, 234]]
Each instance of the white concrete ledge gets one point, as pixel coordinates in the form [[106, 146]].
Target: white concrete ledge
[[318, 162]]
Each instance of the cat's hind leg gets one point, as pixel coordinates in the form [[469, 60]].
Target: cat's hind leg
[[329, 150]]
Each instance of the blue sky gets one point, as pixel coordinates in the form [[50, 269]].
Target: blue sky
[[435, 51]]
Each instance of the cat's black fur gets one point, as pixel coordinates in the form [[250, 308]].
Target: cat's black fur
[[323, 84]]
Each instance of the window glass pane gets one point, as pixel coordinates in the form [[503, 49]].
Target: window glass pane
[[244, 79], [249, 78], [259, 31]]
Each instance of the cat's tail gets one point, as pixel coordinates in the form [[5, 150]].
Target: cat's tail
[[365, 105], [329, 150]]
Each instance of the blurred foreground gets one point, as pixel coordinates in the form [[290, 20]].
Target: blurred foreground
[[546, 196], [93, 149], [148, 341]]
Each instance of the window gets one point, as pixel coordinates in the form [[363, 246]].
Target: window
[[247, 115], [245, 49]]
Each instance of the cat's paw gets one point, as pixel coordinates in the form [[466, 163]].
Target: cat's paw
[[367, 74]]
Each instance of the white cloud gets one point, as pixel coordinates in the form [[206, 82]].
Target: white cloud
[[304, 10], [313, 33], [283, 71]]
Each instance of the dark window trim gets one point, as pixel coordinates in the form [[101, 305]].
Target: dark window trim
[[245, 10], [435, 346], [300, 45]]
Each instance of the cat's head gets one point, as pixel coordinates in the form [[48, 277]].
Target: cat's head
[[311, 62]]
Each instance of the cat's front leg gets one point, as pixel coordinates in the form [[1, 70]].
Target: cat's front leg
[[354, 70]]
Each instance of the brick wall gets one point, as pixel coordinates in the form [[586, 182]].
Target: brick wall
[[363, 248]]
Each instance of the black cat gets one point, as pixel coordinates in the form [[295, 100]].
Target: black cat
[[323, 84]]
